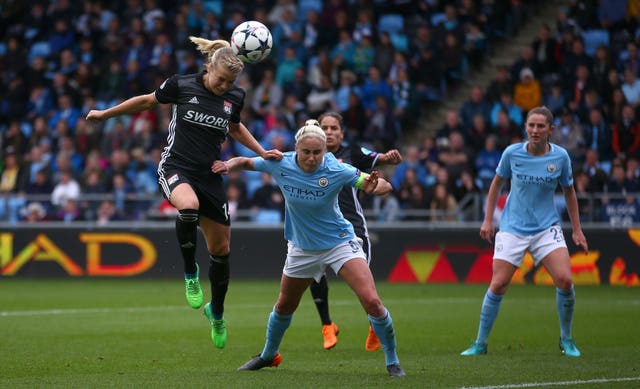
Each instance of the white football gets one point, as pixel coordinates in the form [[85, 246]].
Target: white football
[[251, 41]]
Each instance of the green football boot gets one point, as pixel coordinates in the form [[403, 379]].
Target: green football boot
[[218, 328], [193, 290]]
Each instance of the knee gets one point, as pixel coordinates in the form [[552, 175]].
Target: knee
[[499, 286], [285, 308], [373, 306], [564, 281], [219, 247]]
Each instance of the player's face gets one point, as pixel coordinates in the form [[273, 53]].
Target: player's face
[[538, 129], [331, 128], [218, 79], [310, 152]]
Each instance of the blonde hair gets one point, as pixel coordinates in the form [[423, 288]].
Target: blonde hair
[[219, 52], [310, 131]]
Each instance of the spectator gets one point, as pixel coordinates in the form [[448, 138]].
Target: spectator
[[383, 129], [486, 161], [619, 186], [554, 99], [35, 212], [475, 46], [345, 88], [454, 59], [466, 186], [427, 72], [443, 205], [345, 48], [67, 188], [106, 213], [384, 54], [355, 118], [374, 86], [597, 136], [10, 177], [507, 105], [267, 95], [569, 134], [413, 193], [528, 60], [321, 98], [475, 105], [625, 134], [477, 133], [544, 48], [500, 85], [597, 175], [631, 87], [452, 124], [322, 65], [457, 156], [506, 130], [527, 92], [69, 211], [411, 161], [364, 56]]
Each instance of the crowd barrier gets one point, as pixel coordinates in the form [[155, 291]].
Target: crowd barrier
[[417, 253]]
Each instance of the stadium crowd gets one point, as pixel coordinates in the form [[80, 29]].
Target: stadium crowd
[[378, 63]]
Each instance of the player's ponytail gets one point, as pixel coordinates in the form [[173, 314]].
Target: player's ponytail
[[219, 52]]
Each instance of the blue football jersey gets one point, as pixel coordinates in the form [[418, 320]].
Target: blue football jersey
[[534, 179], [313, 220]]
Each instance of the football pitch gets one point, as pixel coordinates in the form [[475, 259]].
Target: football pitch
[[93, 333]]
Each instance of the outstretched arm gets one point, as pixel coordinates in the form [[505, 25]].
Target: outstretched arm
[[237, 163], [130, 106], [240, 133], [374, 184], [391, 157]]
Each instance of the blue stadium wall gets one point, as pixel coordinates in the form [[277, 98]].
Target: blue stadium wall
[[400, 254]]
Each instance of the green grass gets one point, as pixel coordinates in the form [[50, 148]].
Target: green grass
[[83, 333]]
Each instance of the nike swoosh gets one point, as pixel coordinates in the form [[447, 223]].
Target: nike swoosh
[[283, 174]]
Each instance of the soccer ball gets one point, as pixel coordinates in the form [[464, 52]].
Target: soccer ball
[[251, 41]]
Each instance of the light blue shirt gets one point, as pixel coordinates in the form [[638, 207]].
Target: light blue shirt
[[313, 220], [530, 207]]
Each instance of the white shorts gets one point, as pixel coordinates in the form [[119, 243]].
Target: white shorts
[[511, 248], [313, 263]]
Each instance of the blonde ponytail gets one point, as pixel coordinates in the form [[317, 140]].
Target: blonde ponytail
[[219, 52]]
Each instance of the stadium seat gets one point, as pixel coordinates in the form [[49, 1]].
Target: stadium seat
[[391, 23], [438, 18], [594, 38], [304, 6], [399, 41], [39, 49], [267, 216]]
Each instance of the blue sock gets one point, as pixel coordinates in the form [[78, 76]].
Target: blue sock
[[383, 327], [276, 327], [488, 314], [565, 300]]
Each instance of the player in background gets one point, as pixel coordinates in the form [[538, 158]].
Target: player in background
[[530, 222], [365, 160], [318, 237], [206, 108]]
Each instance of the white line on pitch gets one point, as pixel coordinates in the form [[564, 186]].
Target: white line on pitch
[[557, 383], [343, 302]]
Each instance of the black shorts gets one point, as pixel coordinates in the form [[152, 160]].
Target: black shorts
[[209, 188]]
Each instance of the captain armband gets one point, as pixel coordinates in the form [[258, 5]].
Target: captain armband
[[361, 179]]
